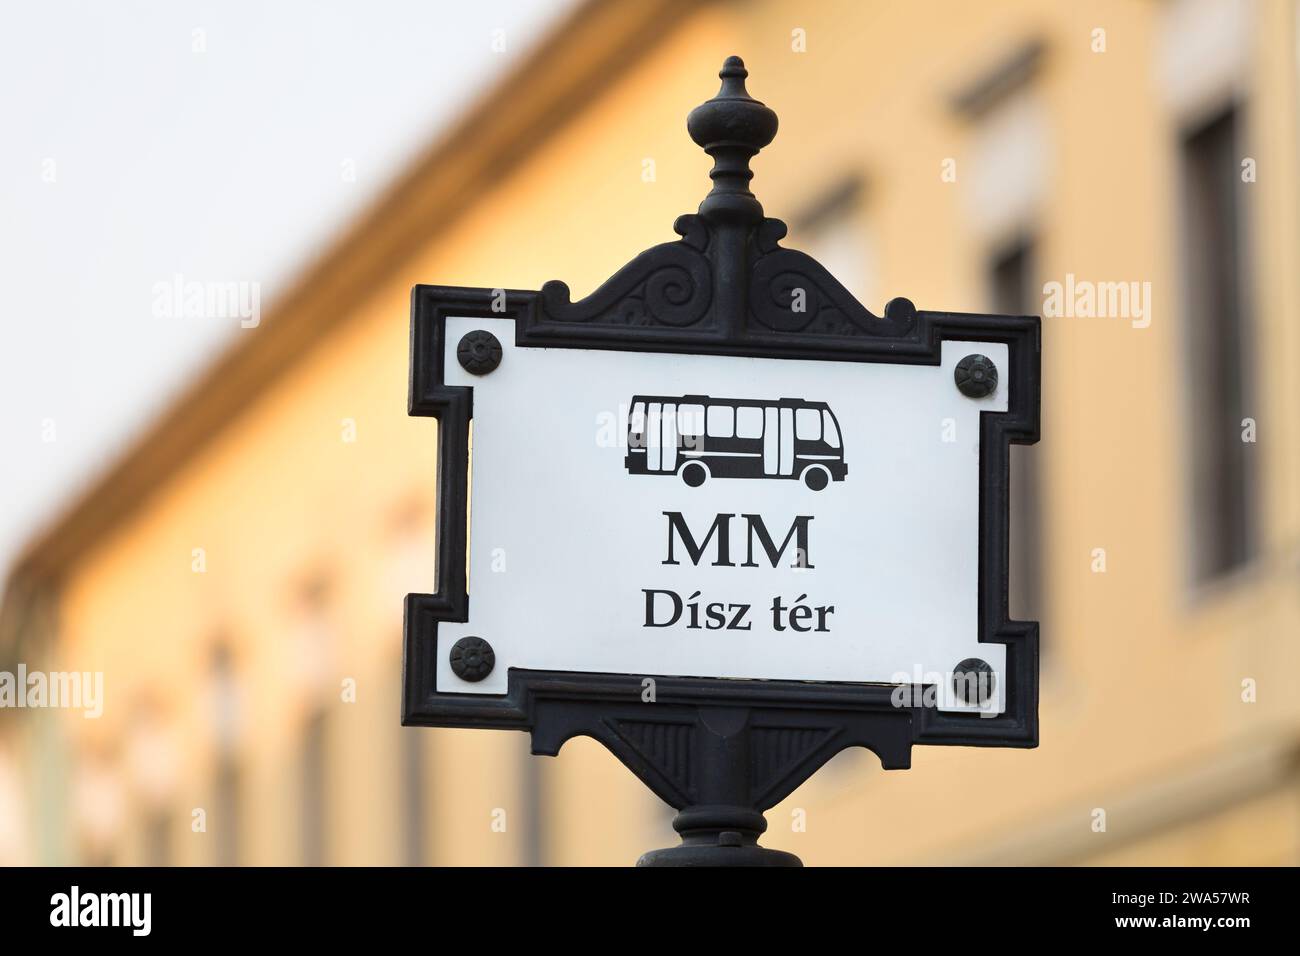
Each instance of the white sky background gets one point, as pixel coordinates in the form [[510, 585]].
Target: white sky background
[[219, 165]]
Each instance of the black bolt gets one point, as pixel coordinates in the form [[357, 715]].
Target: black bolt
[[976, 675], [479, 352], [976, 376], [472, 658]]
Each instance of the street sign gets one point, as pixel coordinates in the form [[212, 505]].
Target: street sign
[[656, 513], [724, 519]]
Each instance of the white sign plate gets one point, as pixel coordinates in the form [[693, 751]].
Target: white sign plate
[[718, 516]]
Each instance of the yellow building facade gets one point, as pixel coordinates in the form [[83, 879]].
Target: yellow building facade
[[238, 578]]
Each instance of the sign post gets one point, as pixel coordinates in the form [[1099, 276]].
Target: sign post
[[725, 520]]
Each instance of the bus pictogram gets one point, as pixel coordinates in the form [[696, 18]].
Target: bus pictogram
[[698, 437]]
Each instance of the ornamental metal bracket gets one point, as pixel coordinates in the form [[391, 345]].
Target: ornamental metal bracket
[[721, 751]]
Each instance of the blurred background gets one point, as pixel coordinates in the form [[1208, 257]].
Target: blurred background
[[214, 214]]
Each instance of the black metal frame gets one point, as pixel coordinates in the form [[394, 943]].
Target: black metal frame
[[720, 751]]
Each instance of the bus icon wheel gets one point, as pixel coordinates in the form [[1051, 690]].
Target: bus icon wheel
[[816, 477], [694, 473]]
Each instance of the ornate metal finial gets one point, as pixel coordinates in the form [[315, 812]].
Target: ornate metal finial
[[732, 127], [728, 278]]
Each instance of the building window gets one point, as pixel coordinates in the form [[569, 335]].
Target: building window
[[150, 761], [313, 783], [158, 838], [413, 767], [533, 791], [1007, 157], [1006, 174], [413, 797], [1216, 321], [833, 231], [226, 710], [225, 810], [1013, 290], [317, 641]]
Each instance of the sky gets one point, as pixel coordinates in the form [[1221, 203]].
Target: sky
[[214, 142]]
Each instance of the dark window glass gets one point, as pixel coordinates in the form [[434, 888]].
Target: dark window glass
[[1216, 322]]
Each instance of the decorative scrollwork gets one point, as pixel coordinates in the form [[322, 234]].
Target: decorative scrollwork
[[791, 291], [670, 285]]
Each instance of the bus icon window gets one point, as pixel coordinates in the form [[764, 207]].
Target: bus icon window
[[698, 438]]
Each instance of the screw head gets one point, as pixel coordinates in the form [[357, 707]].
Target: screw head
[[472, 659], [479, 352], [976, 376], [973, 681]]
